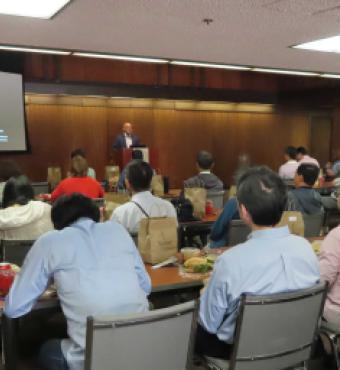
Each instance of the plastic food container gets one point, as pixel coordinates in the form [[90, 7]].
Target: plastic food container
[[190, 252]]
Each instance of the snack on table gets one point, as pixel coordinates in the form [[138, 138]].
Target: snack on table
[[316, 245], [190, 252], [198, 264]]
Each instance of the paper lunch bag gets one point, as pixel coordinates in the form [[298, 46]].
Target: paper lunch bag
[[198, 198], [157, 238], [157, 185], [295, 222]]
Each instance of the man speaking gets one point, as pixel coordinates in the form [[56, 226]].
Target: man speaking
[[126, 139]]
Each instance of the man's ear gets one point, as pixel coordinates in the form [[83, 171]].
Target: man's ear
[[245, 215]]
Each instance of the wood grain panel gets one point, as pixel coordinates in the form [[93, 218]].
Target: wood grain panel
[[55, 130]]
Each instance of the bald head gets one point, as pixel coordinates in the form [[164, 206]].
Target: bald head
[[127, 128]]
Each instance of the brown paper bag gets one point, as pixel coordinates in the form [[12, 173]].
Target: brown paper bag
[[53, 177], [295, 222], [198, 198], [157, 239], [157, 185], [112, 201]]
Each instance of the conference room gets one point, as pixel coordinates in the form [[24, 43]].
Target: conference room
[[169, 185]]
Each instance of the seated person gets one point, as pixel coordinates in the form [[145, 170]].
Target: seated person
[[88, 261], [219, 236], [79, 182], [302, 156], [135, 155], [143, 203], [288, 169], [329, 269], [80, 153], [304, 198], [22, 217], [205, 179], [271, 261]]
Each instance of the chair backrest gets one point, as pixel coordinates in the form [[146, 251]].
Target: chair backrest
[[14, 251], [289, 183], [216, 197], [277, 331], [238, 232], [329, 202], [313, 224], [40, 187], [159, 339]]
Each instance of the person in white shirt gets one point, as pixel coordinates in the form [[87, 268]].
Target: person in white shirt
[[287, 170], [143, 203], [303, 157]]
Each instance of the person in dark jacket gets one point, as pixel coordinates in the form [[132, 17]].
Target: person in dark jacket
[[304, 198], [205, 178], [127, 138]]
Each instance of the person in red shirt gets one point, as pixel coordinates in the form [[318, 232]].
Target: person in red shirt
[[79, 182]]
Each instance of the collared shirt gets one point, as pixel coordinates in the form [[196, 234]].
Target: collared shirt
[[128, 140], [330, 271], [288, 170], [271, 261], [96, 269], [308, 159], [129, 214]]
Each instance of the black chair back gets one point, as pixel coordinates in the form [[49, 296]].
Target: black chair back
[[14, 251]]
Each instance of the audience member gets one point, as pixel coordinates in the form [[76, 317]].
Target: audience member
[[96, 269], [143, 203], [304, 198], [302, 156], [329, 269], [8, 169], [23, 218], [205, 179], [287, 170], [270, 261], [80, 153], [136, 155], [127, 138], [79, 182]]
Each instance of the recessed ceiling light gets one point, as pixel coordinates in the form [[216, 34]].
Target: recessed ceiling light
[[329, 75], [120, 57], [44, 9], [285, 72], [330, 45], [34, 50], [209, 65]]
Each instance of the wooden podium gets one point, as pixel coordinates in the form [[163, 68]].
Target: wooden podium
[[124, 156]]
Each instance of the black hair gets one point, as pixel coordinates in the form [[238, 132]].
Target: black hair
[[309, 172], [79, 152], [291, 152], [139, 174], [263, 194], [69, 208], [301, 150], [18, 190], [8, 169], [205, 160], [137, 154]]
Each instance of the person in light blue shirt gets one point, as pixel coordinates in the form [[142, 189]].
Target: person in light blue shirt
[[271, 261], [96, 269]]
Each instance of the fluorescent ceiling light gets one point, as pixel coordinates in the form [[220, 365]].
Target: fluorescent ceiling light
[[285, 72], [329, 75], [120, 57], [330, 44], [209, 65], [34, 50], [44, 9]]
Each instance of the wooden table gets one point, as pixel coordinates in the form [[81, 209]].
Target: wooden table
[[167, 279]]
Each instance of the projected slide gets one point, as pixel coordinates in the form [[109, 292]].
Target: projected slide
[[12, 116]]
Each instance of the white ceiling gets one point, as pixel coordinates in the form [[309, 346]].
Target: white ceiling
[[250, 32]]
